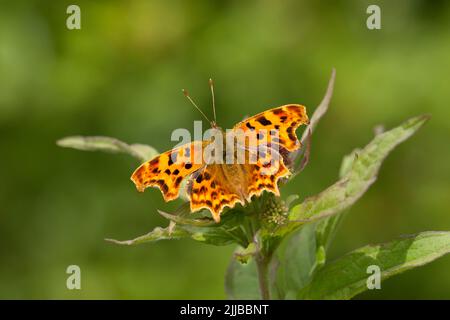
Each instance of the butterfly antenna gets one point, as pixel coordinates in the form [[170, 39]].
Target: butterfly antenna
[[211, 85], [186, 94]]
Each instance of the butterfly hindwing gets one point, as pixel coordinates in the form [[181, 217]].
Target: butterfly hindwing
[[218, 186], [281, 122], [168, 170], [265, 173], [210, 188]]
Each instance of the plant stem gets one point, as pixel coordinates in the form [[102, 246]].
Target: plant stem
[[262, 257], [262, 264]]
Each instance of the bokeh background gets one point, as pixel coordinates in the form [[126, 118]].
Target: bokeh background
[[121, 75]]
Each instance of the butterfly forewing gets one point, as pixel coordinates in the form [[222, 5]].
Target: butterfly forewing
[[168, 170], [276, 126]]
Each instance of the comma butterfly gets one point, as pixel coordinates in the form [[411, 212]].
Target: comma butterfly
[[214, 185]]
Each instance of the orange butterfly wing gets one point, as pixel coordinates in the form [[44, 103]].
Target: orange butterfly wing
[[168, 170], [210, 188], [265, 173], [283, 120]]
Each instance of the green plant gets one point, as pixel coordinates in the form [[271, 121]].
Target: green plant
[[282, 248]]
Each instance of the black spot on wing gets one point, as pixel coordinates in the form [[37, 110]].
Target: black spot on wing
[[163, 185], [172, 158], [291, 134], [293, 108], [263, 121], [248, 125], [277, 111], [178, 181]]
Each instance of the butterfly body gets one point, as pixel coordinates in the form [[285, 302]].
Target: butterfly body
[[224, 172]]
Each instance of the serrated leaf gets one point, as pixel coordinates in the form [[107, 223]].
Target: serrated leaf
[[347, 276], [107, 144]]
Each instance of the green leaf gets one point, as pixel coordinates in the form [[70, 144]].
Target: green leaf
[[181, 219], [294, 262], [321, 109], [229, 230], [326, 228], [356, 181], [155, 235], [241, 281], [348, 276], [106, 144], [302, 155]]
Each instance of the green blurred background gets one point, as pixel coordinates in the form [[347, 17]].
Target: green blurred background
[[121, 75]]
